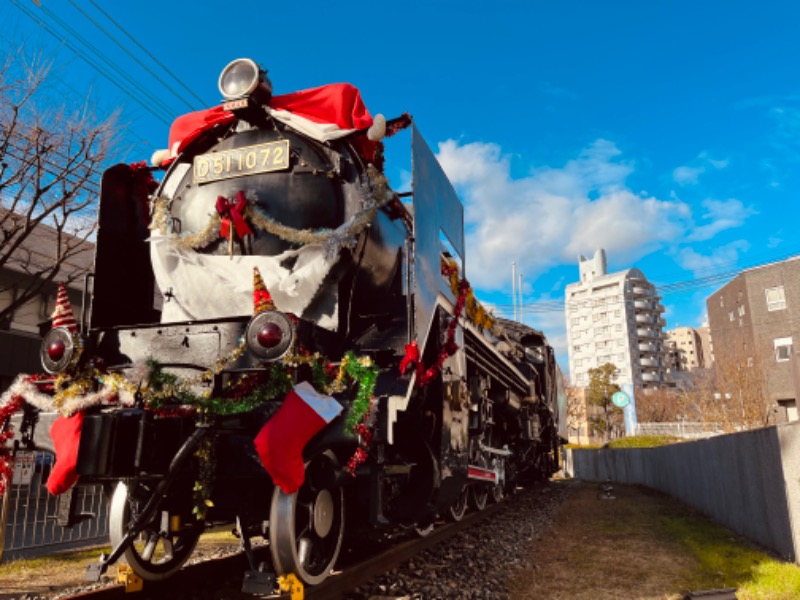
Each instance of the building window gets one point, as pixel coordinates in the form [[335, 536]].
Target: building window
[[741, 310], [783, 349], [731, 315], [776, 299]]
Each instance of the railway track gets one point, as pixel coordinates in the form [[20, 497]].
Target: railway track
[[222, 577]]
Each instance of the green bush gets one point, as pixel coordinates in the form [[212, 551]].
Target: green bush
[[643, 441]]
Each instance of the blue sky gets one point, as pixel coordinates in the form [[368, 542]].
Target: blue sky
[[667, 132]]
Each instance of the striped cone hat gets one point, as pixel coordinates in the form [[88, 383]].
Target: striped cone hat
[[62, 315], [262, 301]]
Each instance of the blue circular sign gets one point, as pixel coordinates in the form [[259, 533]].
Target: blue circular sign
[[620, 399]]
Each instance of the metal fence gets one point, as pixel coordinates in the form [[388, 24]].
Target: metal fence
[[683, 429], [32, 514]]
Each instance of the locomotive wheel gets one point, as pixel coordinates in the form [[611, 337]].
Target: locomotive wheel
[[307, 527], [496, 493], [157, 552], [479, 494], [458, 509]]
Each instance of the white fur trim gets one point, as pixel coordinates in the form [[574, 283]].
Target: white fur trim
[[325, 406], [378, 130]]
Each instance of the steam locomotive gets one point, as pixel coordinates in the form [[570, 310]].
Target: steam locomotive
[[272, 336]]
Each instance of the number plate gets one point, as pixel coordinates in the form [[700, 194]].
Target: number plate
[[261, 158]]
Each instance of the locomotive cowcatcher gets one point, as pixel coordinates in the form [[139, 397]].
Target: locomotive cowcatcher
[[275, 338]]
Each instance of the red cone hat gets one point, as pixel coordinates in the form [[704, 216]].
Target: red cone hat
[[262, 300], [62, 315]]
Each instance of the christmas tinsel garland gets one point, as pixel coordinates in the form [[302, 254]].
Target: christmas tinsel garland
[[166, 393], [330, 239]]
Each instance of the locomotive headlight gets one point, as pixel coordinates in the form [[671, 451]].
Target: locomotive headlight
[[244, 78], [57, 350], [269, 335]]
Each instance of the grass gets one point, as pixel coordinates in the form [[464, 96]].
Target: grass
[[53, 573], [721, 559], [643, 441], [644, 545]]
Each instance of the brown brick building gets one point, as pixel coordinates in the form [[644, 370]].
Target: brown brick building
[[755, 323]]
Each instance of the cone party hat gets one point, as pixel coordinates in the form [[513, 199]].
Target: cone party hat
[[62, 315], [262, 300]]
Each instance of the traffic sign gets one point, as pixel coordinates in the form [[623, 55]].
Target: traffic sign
[[620, 399]]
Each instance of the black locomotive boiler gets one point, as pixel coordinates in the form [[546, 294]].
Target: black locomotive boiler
[[270, 272]]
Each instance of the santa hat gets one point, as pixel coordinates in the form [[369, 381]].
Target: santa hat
[[62, 315], [262, 300], [303, 414]]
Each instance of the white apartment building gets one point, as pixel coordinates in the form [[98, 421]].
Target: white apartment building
[[688, 348], [615, 318]]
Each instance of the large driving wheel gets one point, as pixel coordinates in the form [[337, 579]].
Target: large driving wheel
[[161, 546], [479, 494], [307, 527], [459, 508]]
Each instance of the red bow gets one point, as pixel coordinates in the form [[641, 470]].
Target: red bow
[[232, 211]]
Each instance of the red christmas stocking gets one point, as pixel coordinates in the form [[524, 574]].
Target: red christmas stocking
[[281, 441], [66, 434]]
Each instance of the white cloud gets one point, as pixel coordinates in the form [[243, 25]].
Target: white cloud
[[689, 174], [722, 214], [721, 258], [555, 213]]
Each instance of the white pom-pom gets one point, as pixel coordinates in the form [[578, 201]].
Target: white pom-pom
[[378, 130], [159, 156]]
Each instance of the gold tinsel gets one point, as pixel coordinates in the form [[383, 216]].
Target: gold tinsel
[[381, 194], [474, 309]]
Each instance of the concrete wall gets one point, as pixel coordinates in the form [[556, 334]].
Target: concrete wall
[[747, 481]]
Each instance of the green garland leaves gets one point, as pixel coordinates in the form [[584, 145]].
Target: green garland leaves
[[365, 373]]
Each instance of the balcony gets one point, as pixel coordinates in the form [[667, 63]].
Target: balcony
[[644, 305], [648, 347], [651, 377], [648, 333], [644, 318], [649, 362], [641, 290]]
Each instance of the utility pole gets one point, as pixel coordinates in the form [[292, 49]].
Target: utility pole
[[521, 316], [514, 287]]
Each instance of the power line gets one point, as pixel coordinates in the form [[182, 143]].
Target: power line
[[148, 107], [113, 67], [680, 287], [129, 53], [146, 51]]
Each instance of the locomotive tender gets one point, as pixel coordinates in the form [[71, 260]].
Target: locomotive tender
[[187, 391]]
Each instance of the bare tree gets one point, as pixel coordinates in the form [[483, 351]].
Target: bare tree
[[731, 396], [50, 161], [576, 409], [659, 405]]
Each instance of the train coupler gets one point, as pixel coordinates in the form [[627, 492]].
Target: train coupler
[[131, 581]]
